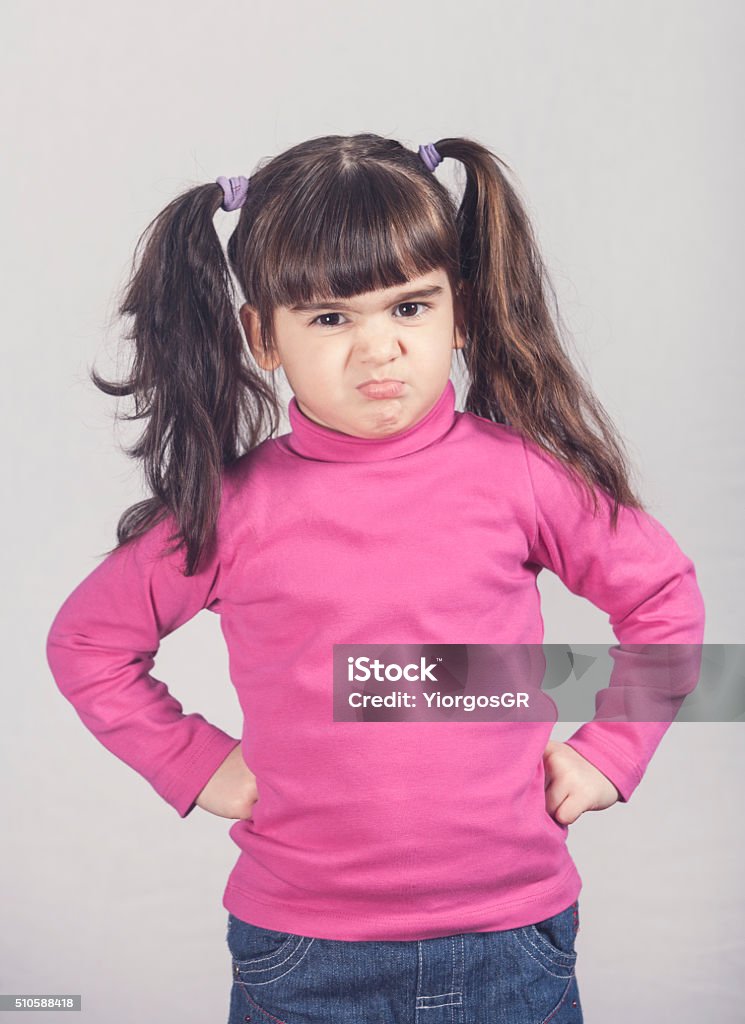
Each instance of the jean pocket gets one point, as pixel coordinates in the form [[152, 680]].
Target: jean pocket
[[262, 955], [551, 942]]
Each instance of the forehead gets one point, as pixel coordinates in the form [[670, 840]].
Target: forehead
[[428, 280], [432, 285]]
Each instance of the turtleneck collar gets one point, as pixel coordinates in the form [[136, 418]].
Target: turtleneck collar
[[314, 441]]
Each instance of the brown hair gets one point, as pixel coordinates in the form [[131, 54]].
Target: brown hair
[[334, 217]]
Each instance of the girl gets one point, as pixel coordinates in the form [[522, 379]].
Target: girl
[[385, 868]]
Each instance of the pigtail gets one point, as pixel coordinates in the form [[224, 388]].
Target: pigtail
[[190, 378], [519, 372]]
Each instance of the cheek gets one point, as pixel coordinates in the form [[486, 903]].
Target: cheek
[[312, 375], [324, 366], [437, 356]]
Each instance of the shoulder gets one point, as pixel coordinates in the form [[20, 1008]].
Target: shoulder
[[251, 484], [249, 469], [513, 441], [492, 456], [509, 439], [485, 432], [546, 477], [497, 444]]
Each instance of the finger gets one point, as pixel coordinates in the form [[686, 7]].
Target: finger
[[555, 794], [568, 811]]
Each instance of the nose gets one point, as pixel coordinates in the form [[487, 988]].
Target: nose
[[377, 347]]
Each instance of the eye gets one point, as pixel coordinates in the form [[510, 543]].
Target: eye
[[323, 316], [424, 305]]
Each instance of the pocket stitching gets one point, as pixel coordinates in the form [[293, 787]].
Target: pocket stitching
[[550, 949], [235, 922], [267, 956], [544, 953], [298, 955]]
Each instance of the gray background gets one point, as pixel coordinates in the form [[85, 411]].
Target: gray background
[[622, 123]]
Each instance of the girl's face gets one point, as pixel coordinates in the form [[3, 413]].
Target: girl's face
[[332, 351]]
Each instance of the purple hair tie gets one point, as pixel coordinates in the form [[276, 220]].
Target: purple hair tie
[[235, 191], [430, 155]]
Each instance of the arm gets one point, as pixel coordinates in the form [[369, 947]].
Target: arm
[[101, 649], [638, 575]]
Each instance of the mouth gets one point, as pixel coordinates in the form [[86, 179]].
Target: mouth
[[385, 388]]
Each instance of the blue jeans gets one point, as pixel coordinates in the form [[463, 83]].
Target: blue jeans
[[518, 976]]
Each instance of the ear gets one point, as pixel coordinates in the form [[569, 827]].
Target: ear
[[250, 323], [462, 300]]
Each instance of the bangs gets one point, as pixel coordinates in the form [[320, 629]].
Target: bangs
[[342, 234]]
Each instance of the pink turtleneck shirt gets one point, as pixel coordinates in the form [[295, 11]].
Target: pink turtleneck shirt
[[382, 830]]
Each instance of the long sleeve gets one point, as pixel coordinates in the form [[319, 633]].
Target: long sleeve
[[638, 575], [101, 649]]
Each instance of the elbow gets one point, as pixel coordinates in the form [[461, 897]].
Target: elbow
[[57, 652], [62, 642], [673, 614], [690, 611], [687, 610]]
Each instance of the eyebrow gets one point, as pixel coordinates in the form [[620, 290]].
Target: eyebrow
[[420, 293]]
